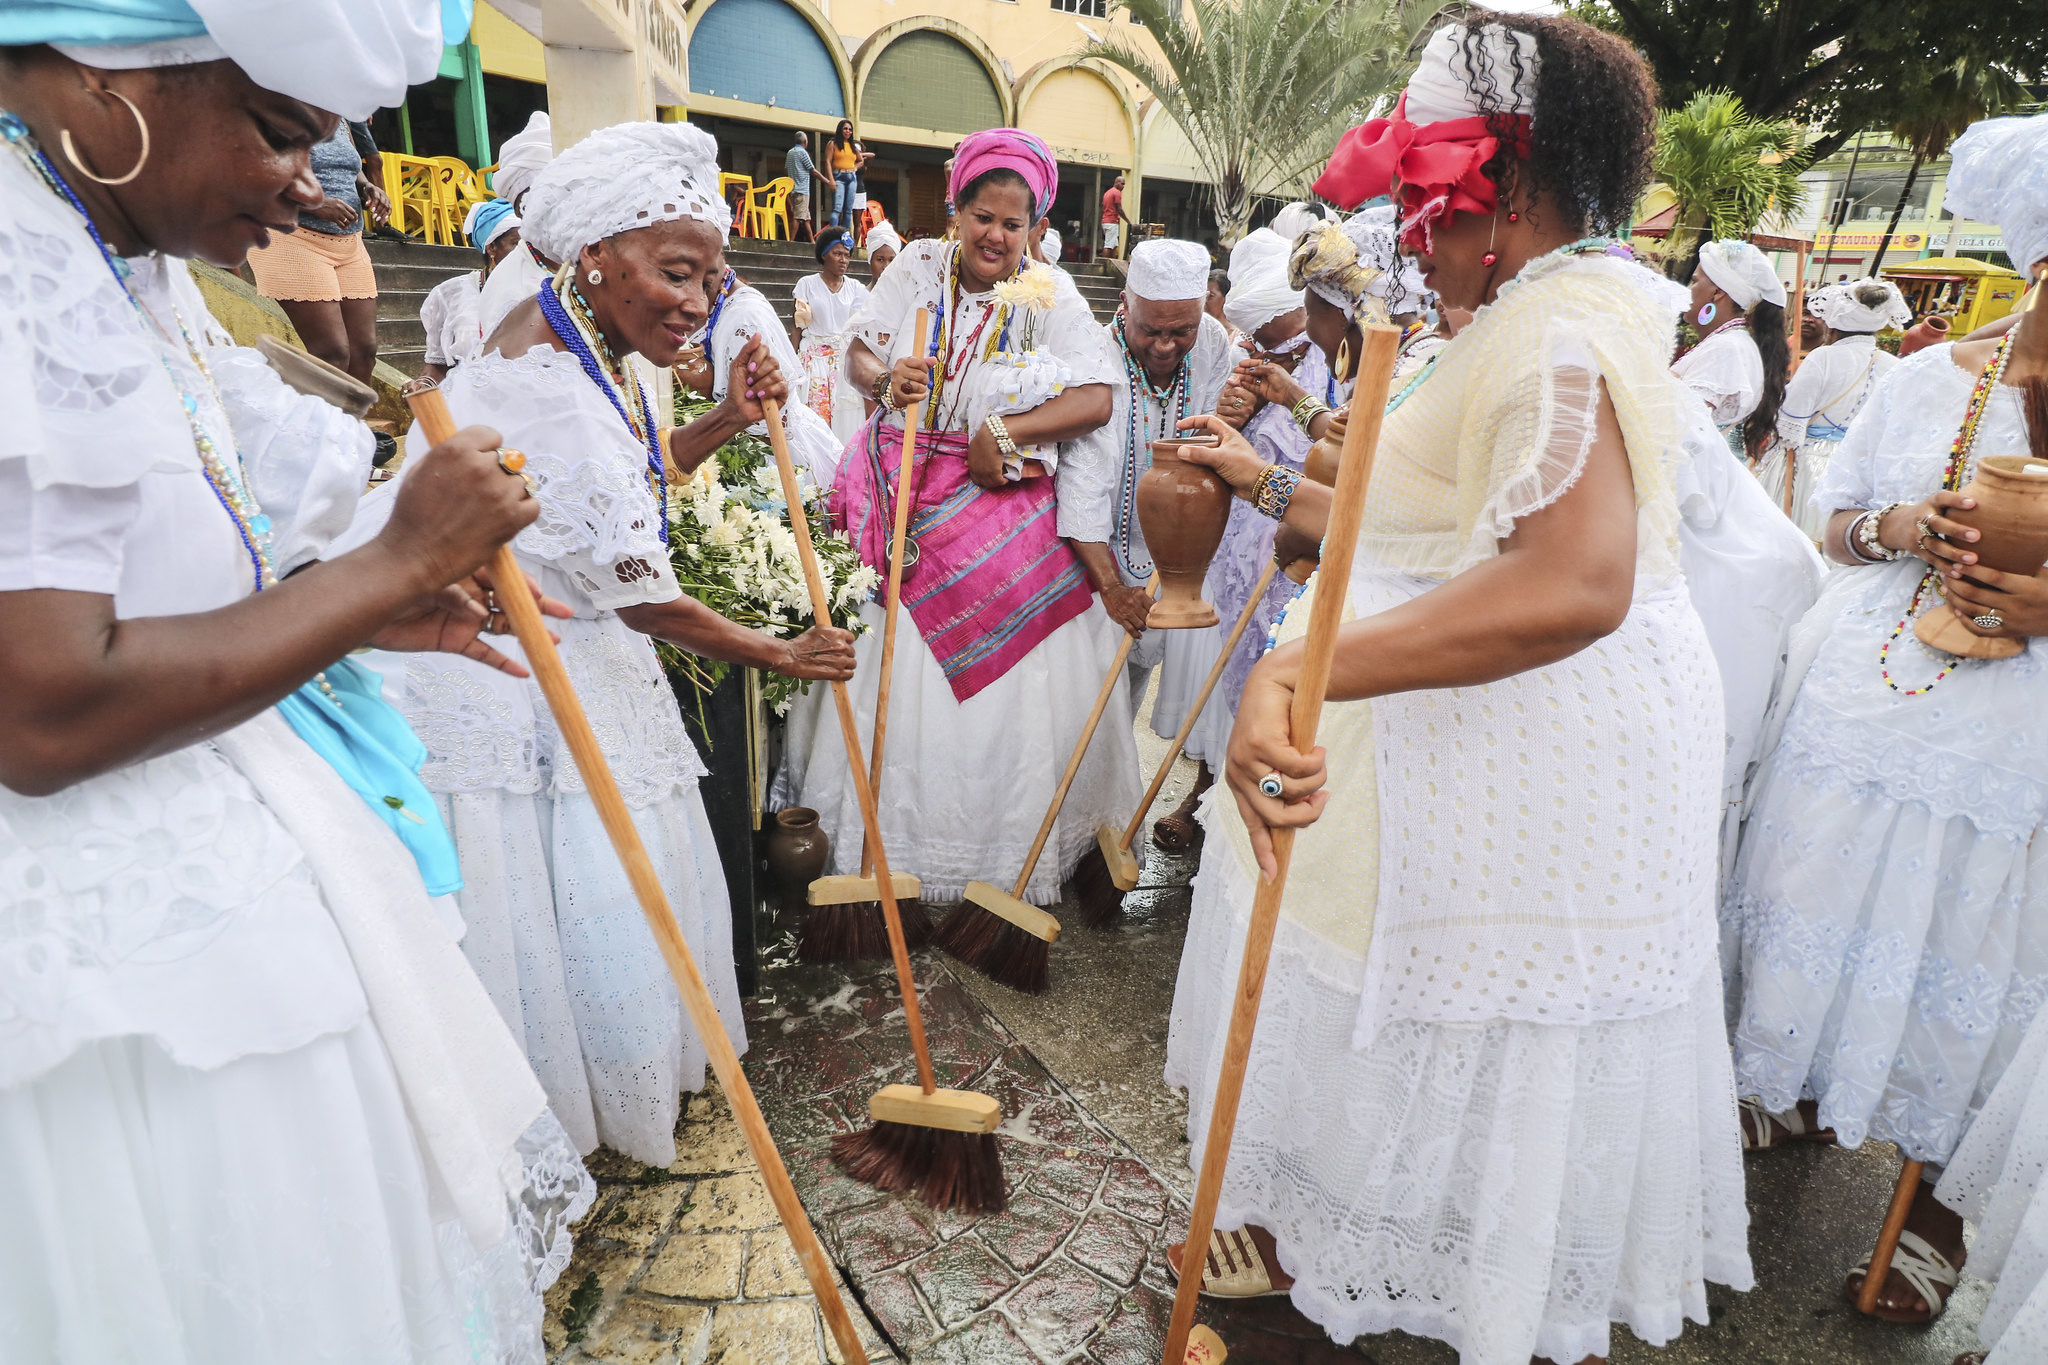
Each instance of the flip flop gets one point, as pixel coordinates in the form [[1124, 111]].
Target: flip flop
[[1240, 1270], [1762, 1130]]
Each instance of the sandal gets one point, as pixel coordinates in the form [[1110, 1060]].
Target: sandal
[[1762, 1130], [1176, 832], [1240, 1271], [1926, 1271]]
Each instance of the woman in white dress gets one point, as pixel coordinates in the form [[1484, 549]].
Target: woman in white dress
[[522, 158], [1001, 643], [739, 314], [1828, 389], [1738, 366], [1890, 892], [554, 929], [254, 1107], [1488, 1099], [449, 314], [826, 303]]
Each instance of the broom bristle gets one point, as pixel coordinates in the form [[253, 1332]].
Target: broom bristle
[[1096, 890], [996, 948], [857, 929], [945, 1169]]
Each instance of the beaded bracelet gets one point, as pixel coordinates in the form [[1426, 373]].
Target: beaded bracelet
[[1275, 490], [1307, 410], [1002, 434], [1872, 549]]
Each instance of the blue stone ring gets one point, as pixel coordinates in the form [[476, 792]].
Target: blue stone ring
[[1270, 785]]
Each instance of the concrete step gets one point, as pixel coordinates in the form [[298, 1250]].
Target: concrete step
[[385, 251], [398, 334], [408, 361], [419, 278], [398, 303]]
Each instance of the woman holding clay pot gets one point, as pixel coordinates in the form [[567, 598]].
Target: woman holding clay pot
[[1493, 984]]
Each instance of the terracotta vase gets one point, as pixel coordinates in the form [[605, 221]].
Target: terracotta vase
[[797, 852], [1929, 331], [1321, 465], [693, 371], [1182, 509], [2012, 518]]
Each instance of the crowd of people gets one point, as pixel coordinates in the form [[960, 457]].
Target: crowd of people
[[1636, 838]]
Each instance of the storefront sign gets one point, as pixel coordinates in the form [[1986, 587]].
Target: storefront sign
[[1082, 156], [664, 38], [1902, 240]]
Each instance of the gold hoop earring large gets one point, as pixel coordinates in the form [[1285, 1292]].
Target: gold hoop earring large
[[1344, 361], [71, 151]]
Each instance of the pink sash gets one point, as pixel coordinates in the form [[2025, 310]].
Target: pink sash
[[992, 578]]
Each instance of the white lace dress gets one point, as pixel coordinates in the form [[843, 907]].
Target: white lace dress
[[1995, 1180], [553, 927], [1727, 372], [1488, 1099], [1822, 398], [253, 1105], [1098, 483], [1891, 892], [745, 314], [821, 385], [449, 316]]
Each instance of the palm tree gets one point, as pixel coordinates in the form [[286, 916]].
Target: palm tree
[[1727, 170], [1957, 96], [1263, 88]]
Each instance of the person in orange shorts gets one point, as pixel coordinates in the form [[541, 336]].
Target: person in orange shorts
[[321, 274]]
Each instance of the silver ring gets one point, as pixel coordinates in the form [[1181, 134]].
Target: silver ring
[[1270, 785], [1990, 620]]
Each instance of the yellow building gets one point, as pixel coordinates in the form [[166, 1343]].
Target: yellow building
[[914, 77]]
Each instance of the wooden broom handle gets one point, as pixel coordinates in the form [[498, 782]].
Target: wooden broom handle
[[1340, 540], [911, 417], [518, 605], [1059, 796], [1187, 725], [913, 1017], [1888, 1237]]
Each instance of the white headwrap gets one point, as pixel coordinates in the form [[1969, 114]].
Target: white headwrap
[[522, 157], [1295, 219], [349, 57], [1052, 244], [1166, 268], [1742, 272], [1999, 174], [1376, 234], [882, 235], [1445, 86], [627, 176], [1259, 291], [1839, 308]]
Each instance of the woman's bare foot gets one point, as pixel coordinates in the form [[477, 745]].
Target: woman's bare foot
[[1942, 1228], [1239, 1277], [1763, 1130], [1177, 831]]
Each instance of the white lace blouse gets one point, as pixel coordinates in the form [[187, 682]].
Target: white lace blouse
[[1727, 372], [830, 312], [449, 316], [1832, 384]]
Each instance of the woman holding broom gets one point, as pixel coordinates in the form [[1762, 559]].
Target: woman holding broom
[[634, 215], [1001, 643], [1488, 1097]]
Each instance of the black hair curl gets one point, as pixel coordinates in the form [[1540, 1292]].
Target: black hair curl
[[1594, 128]]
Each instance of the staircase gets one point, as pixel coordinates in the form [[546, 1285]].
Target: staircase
[[406, 271]]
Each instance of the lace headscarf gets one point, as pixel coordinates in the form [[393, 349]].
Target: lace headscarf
[[1838, 306], [627, 176], [1999, 174], [523, 156], [1358, 268], [1742, 272]]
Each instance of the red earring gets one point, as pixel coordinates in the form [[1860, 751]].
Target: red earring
[[1514, 217]]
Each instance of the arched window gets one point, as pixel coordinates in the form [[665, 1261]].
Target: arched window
[[929, 79], [764, 52]]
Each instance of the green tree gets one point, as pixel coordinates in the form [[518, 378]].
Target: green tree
[[1727, 169], [1936, 115], [1263, 88], [1840, 64]]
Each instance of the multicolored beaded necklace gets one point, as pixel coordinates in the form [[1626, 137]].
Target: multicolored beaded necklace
[[1172, 398], [1953, 479], [942, 332], [223, 477], [577, 326]]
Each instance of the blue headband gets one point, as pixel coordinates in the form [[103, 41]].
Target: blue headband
[[487, 220]]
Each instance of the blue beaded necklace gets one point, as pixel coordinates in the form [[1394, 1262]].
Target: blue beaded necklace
[[223, 477], [570, 330], [1172, 399]]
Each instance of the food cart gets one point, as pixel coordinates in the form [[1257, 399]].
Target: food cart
[[1967, 291]]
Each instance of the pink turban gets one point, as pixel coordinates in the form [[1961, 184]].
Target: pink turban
[[1007, 149]]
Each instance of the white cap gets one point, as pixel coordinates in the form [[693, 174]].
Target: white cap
[[1259, 291], [1166, 268]]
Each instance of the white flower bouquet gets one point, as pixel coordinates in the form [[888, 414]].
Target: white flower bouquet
[[735, 551]]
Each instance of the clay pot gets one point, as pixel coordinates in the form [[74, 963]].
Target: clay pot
[[693, 371], [1321, 465], [2012, 517], [797, 852], [1929, 331], [1182, 509]]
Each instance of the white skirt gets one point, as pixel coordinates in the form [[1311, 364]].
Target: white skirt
[[965, 785], [274, 1208], [1809, 463], [1507, 1188], [560, 942]]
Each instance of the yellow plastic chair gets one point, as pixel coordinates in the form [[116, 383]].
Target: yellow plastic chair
[[728, 181], [455, 189], [768, 209], [410, 185]]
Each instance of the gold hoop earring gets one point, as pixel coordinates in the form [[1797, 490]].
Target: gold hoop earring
[[71, 151], [1344, 361]]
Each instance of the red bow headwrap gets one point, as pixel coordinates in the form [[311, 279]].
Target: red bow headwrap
[[1437, 164]]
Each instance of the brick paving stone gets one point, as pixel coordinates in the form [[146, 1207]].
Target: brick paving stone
[[696, 1267], [960, 1279], [1133, 1330], [642, 1332], [1059, 1308], [1132, 1189], [772, 1269], [640, 1215], [894, 1301], [728, 1203], [881, 1236], [1069, 1176], [1028, 1231], [823, 1187], [988, 1340], [1111, 1245], [779, 1332], [1060, 1122]]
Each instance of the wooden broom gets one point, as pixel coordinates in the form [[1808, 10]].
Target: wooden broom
[[519, 607], [846, 922], [1105, 875], [938, 1144], [1368, 408], [998, 932]]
